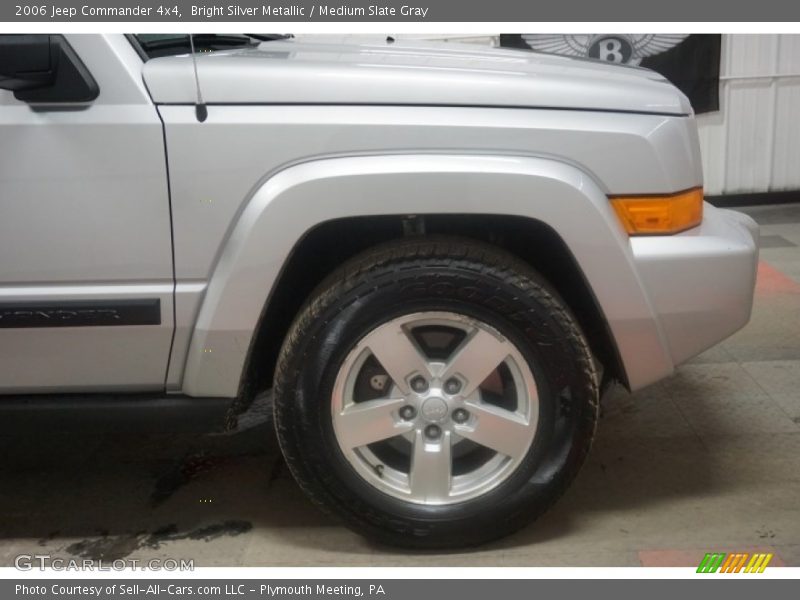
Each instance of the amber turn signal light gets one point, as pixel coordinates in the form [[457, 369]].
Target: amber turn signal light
[[660, 215]]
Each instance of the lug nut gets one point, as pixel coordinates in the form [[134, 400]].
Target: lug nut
[[452, 386], [432, 432], [418, 384], [460, 415], [408, 412]]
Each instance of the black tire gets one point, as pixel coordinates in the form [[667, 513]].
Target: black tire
[[435, 273]]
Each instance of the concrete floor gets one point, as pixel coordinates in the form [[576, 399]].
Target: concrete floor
[[706, 460]]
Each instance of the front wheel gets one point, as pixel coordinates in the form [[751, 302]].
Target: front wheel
[[435, 392]]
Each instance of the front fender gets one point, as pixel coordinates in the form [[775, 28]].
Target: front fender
[[301, 197]]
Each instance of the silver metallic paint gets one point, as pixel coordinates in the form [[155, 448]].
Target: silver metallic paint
[[624, 154], [701, 281], [407, 73], [298, 197], [84, 214], [248, 183]]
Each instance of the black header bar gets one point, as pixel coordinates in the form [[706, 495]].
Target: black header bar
[[488, 11]]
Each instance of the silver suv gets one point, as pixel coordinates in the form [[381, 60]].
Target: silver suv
[[436, 257]]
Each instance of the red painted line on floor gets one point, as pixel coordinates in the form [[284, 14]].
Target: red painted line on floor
[[772, 281]]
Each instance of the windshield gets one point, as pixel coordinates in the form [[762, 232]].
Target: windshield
[[153, 45]]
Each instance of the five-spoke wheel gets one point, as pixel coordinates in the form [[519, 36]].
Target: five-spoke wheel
[[435, 392], [454, 413]]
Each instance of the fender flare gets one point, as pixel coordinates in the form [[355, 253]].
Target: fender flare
[[300, 197]]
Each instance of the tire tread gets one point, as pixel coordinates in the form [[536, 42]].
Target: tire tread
[[409, 254]]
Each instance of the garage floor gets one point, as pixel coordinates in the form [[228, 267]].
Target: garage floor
[[707, 460]]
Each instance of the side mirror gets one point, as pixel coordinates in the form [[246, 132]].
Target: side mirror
[[27, 62], [44, 69]]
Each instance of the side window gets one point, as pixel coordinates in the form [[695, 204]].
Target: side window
[[155, 45]]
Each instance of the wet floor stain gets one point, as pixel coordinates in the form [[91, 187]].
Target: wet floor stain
[[110, 548], [181, 473], [253, 436]]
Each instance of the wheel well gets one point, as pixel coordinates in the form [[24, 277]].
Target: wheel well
[[327, 246]]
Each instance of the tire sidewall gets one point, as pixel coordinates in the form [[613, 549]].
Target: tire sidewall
[[530, 316]]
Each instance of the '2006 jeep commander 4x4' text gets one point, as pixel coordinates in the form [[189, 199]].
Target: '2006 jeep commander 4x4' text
[[435, 256]]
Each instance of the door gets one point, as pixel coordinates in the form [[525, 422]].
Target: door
[[86, 279]]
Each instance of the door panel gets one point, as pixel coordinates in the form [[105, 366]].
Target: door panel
[[85, 235]]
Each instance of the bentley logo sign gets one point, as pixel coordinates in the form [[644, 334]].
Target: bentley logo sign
[[691, 62], [618, 48]]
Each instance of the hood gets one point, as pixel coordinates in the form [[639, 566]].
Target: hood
[[409, 73]]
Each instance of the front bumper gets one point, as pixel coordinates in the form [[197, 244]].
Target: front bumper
[[700, 282]]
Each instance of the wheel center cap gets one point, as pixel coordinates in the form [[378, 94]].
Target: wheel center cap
[[434, 409]]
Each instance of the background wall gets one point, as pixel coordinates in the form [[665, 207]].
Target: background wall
[[753, 143]]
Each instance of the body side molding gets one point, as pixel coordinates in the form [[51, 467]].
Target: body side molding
[[80, 313]]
